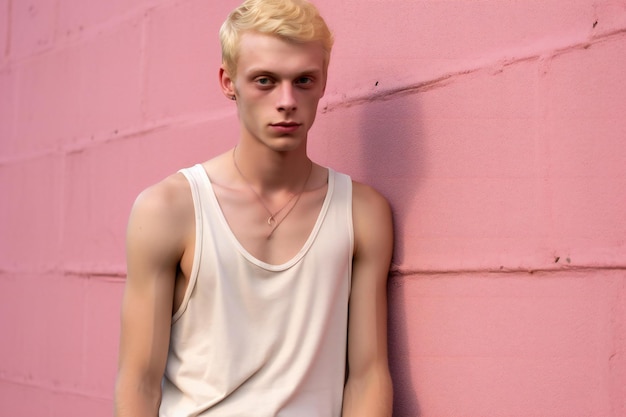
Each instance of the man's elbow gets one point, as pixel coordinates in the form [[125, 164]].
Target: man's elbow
[[136, 397]]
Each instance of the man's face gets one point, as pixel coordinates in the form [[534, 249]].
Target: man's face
[[278, 87]]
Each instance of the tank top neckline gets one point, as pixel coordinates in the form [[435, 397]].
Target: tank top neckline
[[244, 252]]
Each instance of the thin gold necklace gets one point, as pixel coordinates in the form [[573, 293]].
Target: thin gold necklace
[[271, 220]]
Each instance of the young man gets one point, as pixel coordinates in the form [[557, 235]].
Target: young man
[[253, 277]]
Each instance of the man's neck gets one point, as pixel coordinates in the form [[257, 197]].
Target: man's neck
[[267, 169]]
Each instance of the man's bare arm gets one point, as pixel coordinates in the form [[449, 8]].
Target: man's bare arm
[[368, 390], [155, 243]]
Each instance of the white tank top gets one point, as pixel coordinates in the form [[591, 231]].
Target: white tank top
[[253, 339]]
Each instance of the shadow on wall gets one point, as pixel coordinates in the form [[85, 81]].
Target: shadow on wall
[[391, 153]]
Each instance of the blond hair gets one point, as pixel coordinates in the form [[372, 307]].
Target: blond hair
[[296, 21]]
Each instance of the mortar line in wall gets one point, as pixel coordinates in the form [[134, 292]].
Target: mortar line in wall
[[619, 328], [83, 357], [117, 274], [99, 275], [186, 120], [391, 93], [497, 64], [9, 29], [143, 65], [51, 387], [405, 273], [62, 214], [102, 138]]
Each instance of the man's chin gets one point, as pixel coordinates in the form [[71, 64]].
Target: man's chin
[[286, 143]]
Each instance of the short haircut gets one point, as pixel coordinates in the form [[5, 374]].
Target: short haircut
[[296, 21]]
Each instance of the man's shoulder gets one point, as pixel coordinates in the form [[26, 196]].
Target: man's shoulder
[[368, 197], [365, 198], [169, 199], [372, 217]]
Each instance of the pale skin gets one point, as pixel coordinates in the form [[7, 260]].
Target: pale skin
[[277, 86]]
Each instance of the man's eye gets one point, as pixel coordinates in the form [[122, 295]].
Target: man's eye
[[263, 81], [304, 80]]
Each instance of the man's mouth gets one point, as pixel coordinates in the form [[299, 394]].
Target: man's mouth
[[285, 127], [286, 124]]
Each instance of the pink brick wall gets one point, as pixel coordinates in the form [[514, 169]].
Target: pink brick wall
[[496, 129]]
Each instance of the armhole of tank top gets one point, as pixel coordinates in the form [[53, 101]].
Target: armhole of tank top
[[191, 175], [350, 222]]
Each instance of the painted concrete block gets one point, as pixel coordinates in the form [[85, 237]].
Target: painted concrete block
[[183, 58], [96, 189], [5, 18], [30, 225], [32, 27], [8, 100], [609, 16], [13, 294], [48, 102], [178, 146], [586, 84], [103, 299], [617, 356], [75, 405], [54, 333], [487, 345], [67, 344], [522, 317], [588, 219], [76, 16], [502, 387], [87, 89], [585, 138], [18, 400], [45, 346], [586, 148]]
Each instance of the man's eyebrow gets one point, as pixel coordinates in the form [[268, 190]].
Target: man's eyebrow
[[312, 71], [260, 71]]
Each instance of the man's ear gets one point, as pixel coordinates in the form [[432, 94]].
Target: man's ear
[[226, 83]]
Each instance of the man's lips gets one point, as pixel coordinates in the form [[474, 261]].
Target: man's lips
[[285, 124], [285, 127]]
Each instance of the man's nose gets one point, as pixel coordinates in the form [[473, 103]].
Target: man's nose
[[287, 98]]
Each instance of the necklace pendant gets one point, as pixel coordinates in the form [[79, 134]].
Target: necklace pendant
[[271, 220]]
